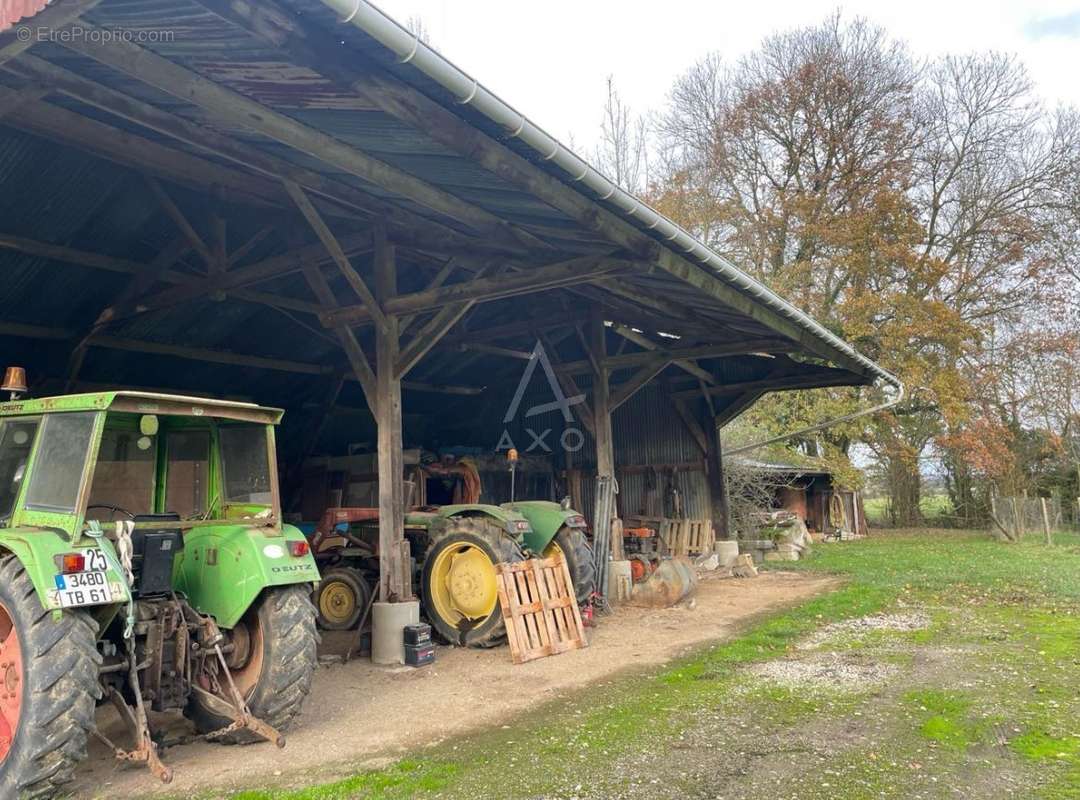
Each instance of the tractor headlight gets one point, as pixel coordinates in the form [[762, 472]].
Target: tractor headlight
[[516, 526], [576, 521]]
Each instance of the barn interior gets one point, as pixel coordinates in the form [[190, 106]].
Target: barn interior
[[263, 202]]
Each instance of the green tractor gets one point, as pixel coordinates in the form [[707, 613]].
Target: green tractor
[[455, 549], [143, 561]]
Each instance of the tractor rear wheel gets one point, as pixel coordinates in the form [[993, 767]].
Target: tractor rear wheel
[[341, 598], [48, 688], [460, 594], [279, 643], [578, 553]]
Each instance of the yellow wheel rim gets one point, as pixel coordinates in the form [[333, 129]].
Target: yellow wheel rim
[[462, 583], [337, 602], [552, 549]]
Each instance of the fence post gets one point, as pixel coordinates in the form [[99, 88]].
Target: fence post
[[1046, 521]]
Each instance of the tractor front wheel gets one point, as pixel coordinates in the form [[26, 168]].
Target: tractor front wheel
[[460, 594], [575, 549], [48, 688], [274, 663]]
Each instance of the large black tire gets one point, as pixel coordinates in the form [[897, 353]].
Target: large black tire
[[490, 537], [60, 665], [579, 560], [341, 598], [279, 673]]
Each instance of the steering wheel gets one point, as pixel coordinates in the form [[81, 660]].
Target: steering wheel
[[114, 509]]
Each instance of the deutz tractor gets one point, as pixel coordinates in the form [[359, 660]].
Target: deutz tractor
[[143, 562], [455, 549]]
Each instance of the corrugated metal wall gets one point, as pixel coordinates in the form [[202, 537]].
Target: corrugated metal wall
[[648, 432]]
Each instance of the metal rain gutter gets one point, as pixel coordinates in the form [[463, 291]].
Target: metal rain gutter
[[410, 50]]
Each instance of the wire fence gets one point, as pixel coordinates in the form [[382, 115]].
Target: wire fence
[[1016, 517]]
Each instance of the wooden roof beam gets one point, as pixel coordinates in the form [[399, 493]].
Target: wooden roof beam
[[645, 342], [296, 36], [128, 150], [234, 108], [818, 378], [404, 224], [575, 270], [213, 356], [634, 360]]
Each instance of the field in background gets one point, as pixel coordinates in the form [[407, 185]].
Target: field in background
[[934, 507]]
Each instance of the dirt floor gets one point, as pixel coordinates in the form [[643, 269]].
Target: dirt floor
[[360, 715]]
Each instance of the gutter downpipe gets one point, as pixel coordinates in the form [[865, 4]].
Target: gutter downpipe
[[410, 50]]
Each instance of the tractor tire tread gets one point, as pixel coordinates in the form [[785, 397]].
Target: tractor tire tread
[[579, 561], [506, 551], [63, 694], [278, 700]]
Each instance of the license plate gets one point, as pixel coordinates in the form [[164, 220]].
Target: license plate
[[85, 589]]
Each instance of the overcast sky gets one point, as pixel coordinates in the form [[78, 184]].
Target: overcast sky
[[550, 59]]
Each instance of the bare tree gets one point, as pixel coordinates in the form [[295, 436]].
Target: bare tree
[[622, 152], [914, 207]]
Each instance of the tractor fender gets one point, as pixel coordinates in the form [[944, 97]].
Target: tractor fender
[[37, 550], [515, 524], [224, 568], [546, 519]]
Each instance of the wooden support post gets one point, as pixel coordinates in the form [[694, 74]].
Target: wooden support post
[[395, 582], [605, 449], [717, 485], [1046, 521]]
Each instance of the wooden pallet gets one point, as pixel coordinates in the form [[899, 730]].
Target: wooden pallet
[[687, 537], [539, 608]]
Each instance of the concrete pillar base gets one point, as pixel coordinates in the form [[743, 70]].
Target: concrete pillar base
[[388, 622], [728, 551], [620, 582]]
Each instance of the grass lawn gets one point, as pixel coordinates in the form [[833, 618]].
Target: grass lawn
[[947, 666]]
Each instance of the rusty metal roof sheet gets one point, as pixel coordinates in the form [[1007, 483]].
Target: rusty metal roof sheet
[[11, 11]]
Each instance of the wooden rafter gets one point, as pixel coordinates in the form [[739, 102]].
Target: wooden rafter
[[737, 406], [438, 280], [234, 108], [357, 360], [333, 247], [185, 287], [636, 360], [624, 391], [577, 270], [297, 37], [817, 378], [129, 150], [406, 225], [181, 221], [643, 341]]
